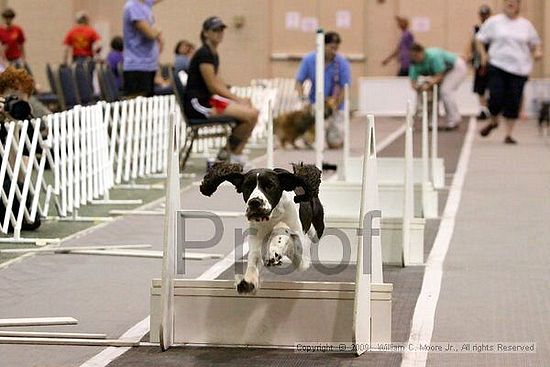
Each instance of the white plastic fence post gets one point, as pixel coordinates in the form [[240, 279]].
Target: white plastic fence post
[[3, 171], [130, 138], [435, 124], [23, 210], [320, 99], [138, 122], [371, 197], [124, 106], [345, 153], [95, 124], [142, 136], [408, 188], [77, 158], [169, 262], [89, 154], [270, 162], [365, 272], [114, 126], [15, 171], [149, 137], [70, 159], [425, 152], [66, 199]]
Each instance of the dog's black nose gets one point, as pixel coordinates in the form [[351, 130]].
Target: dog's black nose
[[255, 203]]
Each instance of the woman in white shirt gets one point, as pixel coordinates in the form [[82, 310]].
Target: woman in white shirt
[[514, 42]]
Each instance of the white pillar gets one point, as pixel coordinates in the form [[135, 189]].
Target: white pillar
[[408, 188], [435, 124], [320, 99], [345, 154], [425, 147], [270, 163]]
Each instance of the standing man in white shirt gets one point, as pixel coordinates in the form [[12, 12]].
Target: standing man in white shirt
[[514, 43]]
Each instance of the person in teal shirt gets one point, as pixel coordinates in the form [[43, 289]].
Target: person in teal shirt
[[443, 68]]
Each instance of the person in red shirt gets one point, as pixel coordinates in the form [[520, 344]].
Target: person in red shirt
[[80, 40], [12, 38]]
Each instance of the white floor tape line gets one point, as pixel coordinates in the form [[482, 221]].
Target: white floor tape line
[[391, 138], [424, 312]]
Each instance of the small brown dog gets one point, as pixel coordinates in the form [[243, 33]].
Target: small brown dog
[[290, 126]]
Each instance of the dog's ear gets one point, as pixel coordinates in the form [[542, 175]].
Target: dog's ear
[[306, 176], [310, 176], [288, 180], [219, 173]]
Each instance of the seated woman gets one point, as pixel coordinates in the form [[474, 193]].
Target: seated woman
[[207, 95]]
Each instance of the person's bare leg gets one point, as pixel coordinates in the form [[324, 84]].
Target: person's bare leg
[[242, 132], [247, 116]]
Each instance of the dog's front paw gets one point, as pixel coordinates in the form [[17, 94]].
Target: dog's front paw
[[245, 287]]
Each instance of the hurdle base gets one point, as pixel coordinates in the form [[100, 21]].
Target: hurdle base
[[162, 176], [136, 212], [140, 186], [30, 241], [77, 218], [278, 316], [117, 202]]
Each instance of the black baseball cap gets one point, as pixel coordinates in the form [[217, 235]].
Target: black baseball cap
[[213, 23]]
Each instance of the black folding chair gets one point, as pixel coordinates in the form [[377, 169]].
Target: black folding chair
[[83, 83], [107, 84], [195, 127], [67, 87]]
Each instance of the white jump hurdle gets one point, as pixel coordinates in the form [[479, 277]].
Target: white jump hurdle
[[279, 315], [390, 168], [23, 168], [391, 177], [402, 234]]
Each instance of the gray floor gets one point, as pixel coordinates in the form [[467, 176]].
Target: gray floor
[[496, 283]]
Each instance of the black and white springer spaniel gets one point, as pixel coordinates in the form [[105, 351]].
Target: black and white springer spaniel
[[283, 211]]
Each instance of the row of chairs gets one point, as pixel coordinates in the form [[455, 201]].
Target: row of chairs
[[73, 84]]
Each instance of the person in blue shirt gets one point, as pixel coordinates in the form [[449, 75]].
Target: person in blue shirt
[[337, 72], [142, 44], [337, 75]]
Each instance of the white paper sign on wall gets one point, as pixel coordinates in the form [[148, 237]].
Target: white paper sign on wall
[[292, 20], [309, 24], [421, 24], [343, 19]]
